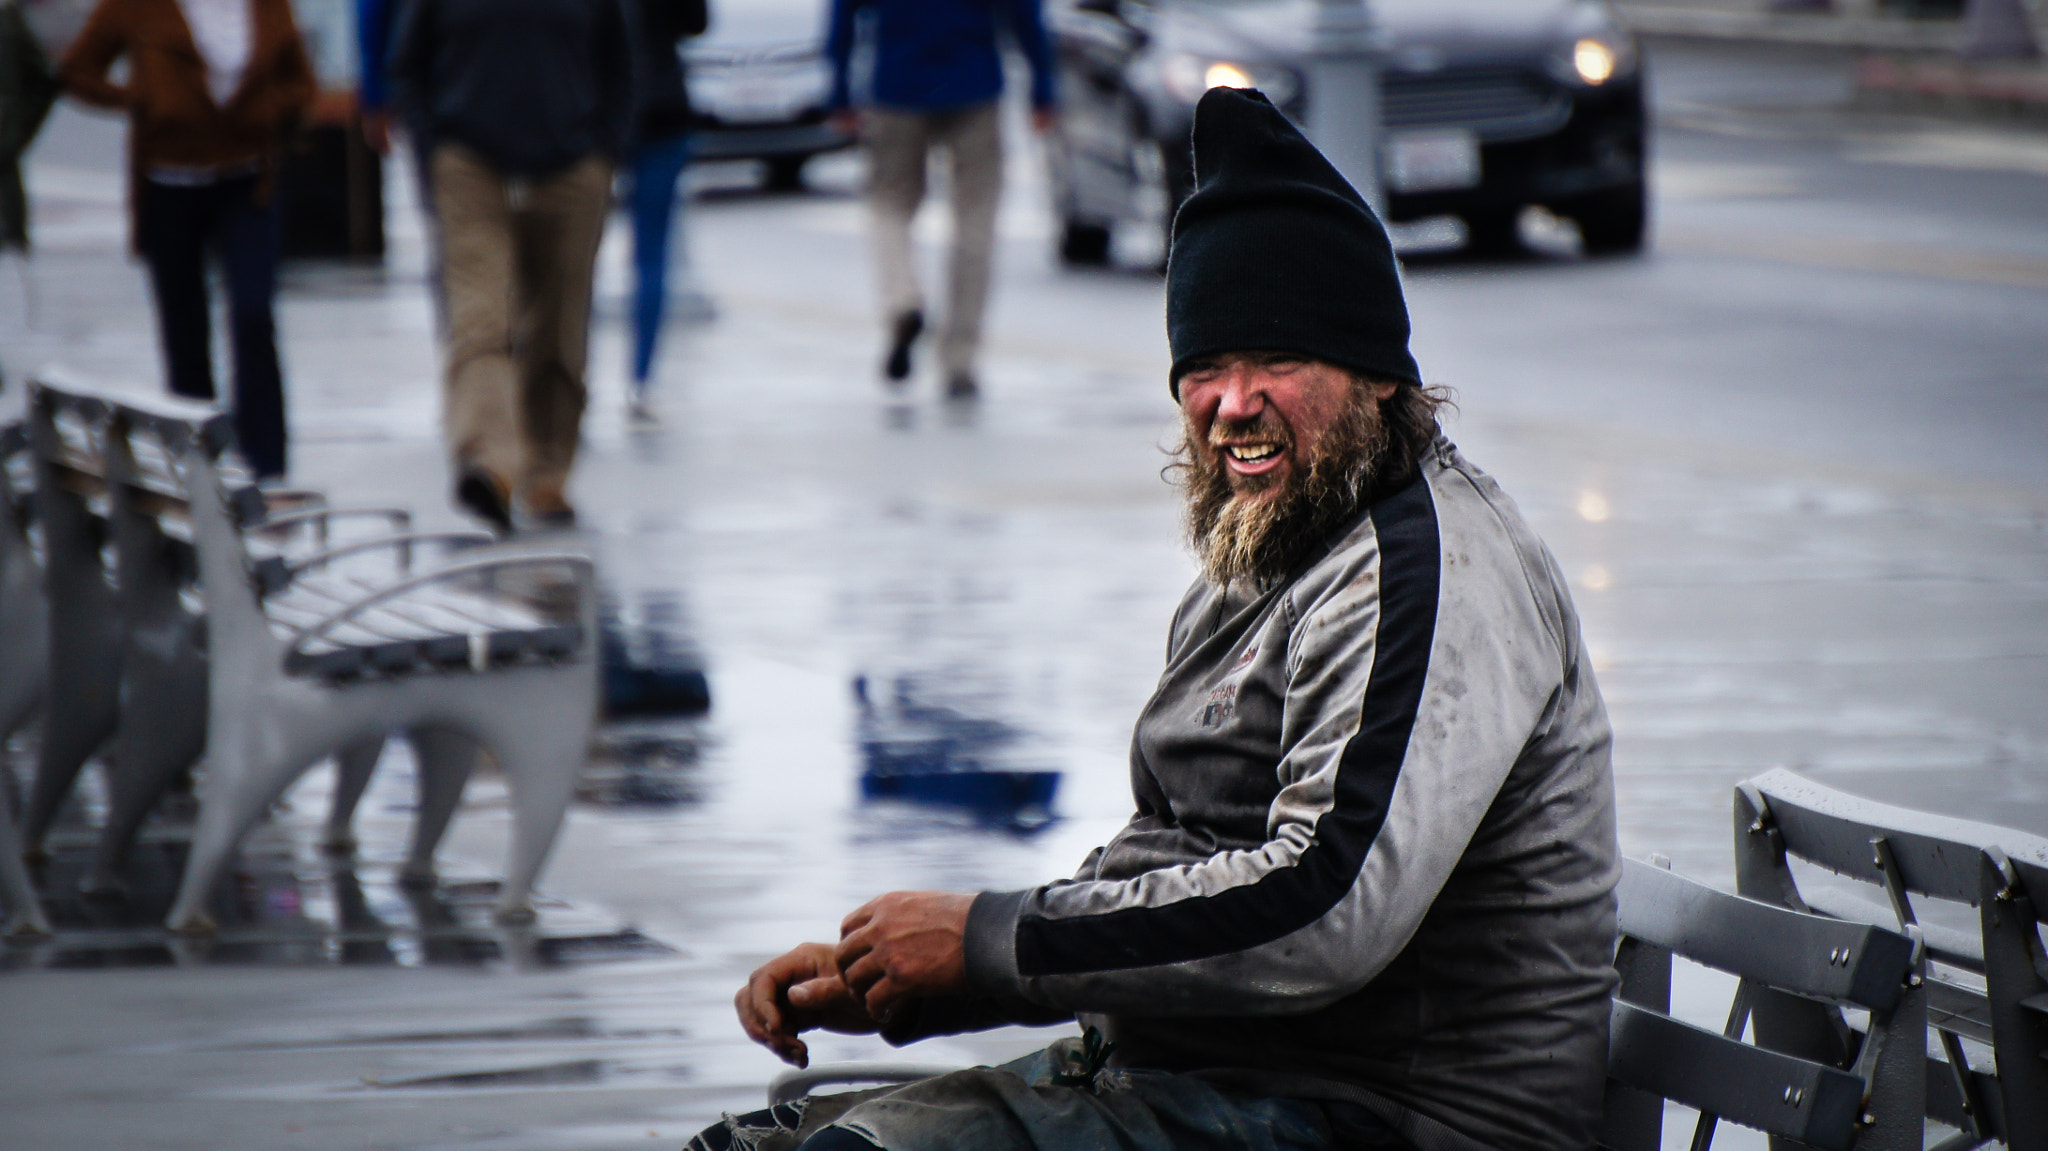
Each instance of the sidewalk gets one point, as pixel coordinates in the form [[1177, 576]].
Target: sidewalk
[[1934, 66]]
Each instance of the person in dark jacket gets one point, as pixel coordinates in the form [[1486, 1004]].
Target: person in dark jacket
[[936, 79], [213, 86], [1366, 897], [661, 149], [527, 108]]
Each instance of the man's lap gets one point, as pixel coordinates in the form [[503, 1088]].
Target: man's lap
[[1020, 1107]]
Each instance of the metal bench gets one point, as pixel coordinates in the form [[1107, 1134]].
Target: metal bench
[[132, 631], [496, 648], [1988, 986], [1871, 1102], [24, 652]]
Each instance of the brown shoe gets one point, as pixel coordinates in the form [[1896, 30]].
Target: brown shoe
[[546, 504], [480, 492]]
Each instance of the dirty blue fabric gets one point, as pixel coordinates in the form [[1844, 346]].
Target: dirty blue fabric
[[1024, 1105]]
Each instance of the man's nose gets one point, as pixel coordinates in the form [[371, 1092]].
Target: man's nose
[[1243, 397]]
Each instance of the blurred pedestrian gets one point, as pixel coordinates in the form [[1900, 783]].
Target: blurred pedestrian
[[213, 88], [661, 149], [27, 88], [527, 107], [377, 24], [936, 83]]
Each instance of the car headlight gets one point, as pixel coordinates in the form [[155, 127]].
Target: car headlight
[[1590, 61], [1188, 75], [1593, 49]]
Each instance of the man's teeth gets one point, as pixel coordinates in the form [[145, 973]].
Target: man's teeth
[[1252, 452]]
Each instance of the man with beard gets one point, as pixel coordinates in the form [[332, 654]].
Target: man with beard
[[1366, 899]]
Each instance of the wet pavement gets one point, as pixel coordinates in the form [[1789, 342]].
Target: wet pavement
[[1792, 461]]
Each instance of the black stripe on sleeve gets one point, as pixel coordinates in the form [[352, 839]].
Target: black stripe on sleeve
[[1290, 898]]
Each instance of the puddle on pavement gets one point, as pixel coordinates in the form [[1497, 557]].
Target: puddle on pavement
[[651, 665], [924, 739], [646, 765], [289, 903]]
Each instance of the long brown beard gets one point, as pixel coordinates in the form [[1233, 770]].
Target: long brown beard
[[1237, 537]]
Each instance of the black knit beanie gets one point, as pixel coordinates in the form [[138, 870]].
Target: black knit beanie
[[1276, 252]]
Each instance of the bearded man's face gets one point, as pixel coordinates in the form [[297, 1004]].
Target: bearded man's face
[[1278, 451]]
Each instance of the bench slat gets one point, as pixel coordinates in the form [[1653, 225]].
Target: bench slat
[[1936, 855], [1809, 955], [1961, 948], [1771, 1092], [1963, 1010]]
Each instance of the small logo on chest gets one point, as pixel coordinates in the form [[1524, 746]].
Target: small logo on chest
[[1220, 706]]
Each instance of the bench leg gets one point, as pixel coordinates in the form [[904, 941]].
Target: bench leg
[[163, 736], [353, 767], [240, 786], [24, 914], [82, 694], [541, 770], [78, 716], [445, 758]]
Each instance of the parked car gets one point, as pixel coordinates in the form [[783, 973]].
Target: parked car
[[759, 81], [1488, 106]]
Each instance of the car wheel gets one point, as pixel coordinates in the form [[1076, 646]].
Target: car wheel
[[1084, 245], [1611, 223], [1494, 232], [785, 174]]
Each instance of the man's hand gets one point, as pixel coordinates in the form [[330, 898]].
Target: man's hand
[[905, 945], [795, 993], [846, 121]]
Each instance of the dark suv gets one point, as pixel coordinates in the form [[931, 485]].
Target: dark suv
[[1488, 106]]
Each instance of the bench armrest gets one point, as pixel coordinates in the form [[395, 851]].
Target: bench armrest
[[399, 518], [402, 542], [577, 562]]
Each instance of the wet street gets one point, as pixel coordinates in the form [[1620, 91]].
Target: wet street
[[1793, 460]]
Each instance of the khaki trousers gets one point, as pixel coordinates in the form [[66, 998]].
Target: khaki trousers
[[517, 261], [898, 144]]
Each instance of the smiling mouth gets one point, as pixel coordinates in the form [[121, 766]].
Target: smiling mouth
[[1252, 453]]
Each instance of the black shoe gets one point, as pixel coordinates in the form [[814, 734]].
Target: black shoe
[[484, 495], [909, 326], [961, 386]]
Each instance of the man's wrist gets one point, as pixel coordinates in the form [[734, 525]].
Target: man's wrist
[[989, 943]]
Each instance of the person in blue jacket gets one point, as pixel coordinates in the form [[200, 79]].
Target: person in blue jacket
[[660, 150], [935, 85]]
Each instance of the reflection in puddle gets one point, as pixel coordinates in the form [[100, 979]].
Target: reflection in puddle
[[651, 667], [914, 748], [645, 767], [291, 905]]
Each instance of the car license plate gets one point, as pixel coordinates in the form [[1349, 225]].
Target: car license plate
[[1432, 161], [755, 99]]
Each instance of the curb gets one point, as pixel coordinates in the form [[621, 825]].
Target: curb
[[1876, 32], [1953, 86], [1911, 65]]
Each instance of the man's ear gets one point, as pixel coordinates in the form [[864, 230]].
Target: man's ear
[[1383, 391]]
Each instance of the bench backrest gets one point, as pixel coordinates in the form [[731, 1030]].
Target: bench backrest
[[1983, 978], [1872, 1102]]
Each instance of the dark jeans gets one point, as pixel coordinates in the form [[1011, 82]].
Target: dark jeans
[[1038, 1102], [176, 225]]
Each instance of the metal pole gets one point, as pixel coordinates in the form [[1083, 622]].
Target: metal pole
[[1344, 95]]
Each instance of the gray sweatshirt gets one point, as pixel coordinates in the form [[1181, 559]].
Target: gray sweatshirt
[[531, 86], [1374, 851]]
